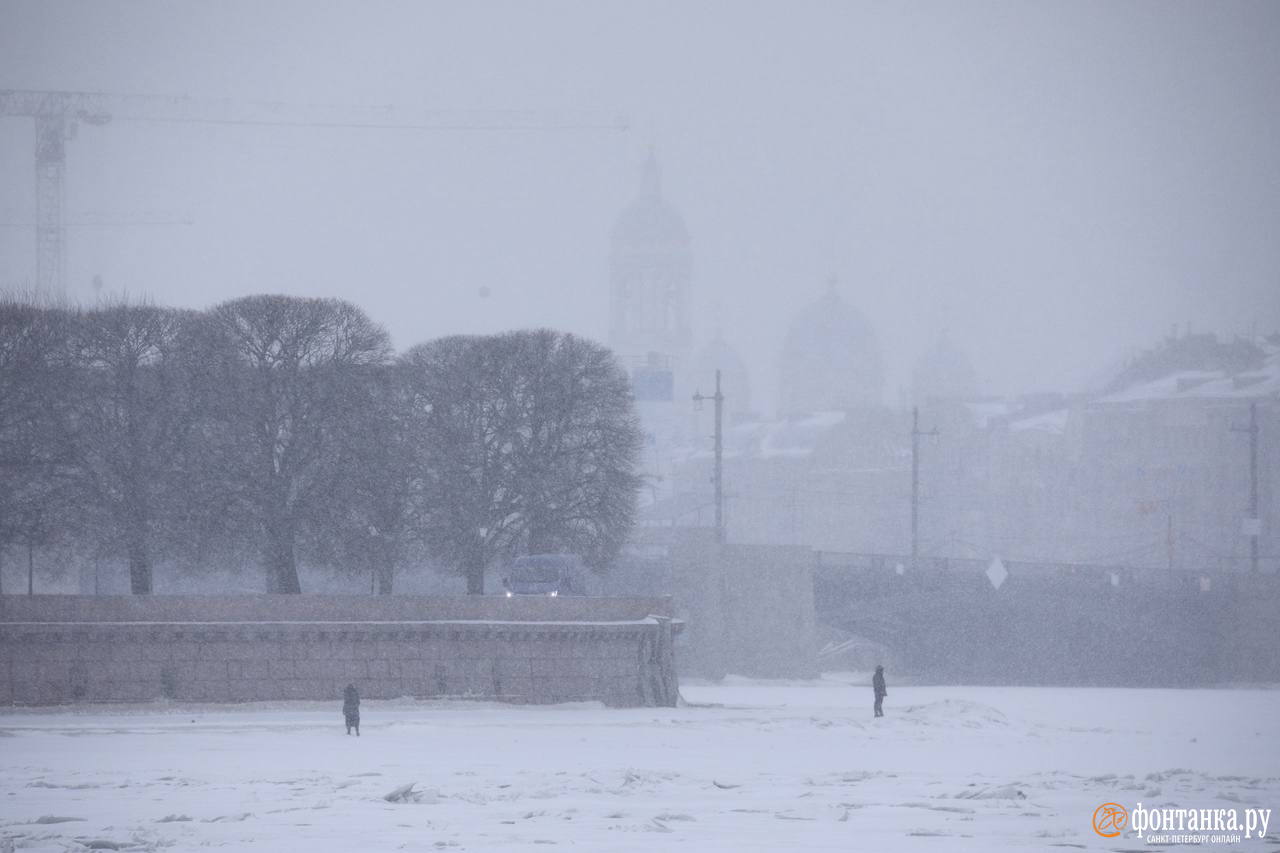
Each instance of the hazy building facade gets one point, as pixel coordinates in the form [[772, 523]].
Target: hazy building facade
[[830, 360], [943, 372], [1153, 472]]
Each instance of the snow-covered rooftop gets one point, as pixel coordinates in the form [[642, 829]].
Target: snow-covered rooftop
[[986, 411], [1051, 422], [786, 438], [1207, 384]]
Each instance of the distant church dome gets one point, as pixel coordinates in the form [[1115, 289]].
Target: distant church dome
[[830, 360], [649, 222], [943, 373], [735, 383], [650, 270]]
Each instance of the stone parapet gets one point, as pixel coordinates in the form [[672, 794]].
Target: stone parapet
[[622, 662]]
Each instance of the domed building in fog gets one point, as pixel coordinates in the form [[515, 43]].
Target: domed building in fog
[[650, 268], [944, 372], [830, 360]]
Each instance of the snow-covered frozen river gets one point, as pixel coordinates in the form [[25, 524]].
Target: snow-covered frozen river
[[744, 766]]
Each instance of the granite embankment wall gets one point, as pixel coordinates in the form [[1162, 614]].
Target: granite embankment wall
[[62, 649]]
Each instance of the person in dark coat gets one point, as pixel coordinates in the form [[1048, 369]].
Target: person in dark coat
[[877, 684], [351, 708]]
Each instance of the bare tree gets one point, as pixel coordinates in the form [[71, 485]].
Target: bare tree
[[295, 392], [469, 512], [35, 494], [577, 447], [132, 372], [368, 521], [527, 439]]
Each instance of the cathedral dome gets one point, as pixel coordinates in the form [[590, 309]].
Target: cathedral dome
[[830, 360], [649, 221], [944, 373]]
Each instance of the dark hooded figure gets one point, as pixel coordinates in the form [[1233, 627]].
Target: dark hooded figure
[[877, 684], [351, 708]]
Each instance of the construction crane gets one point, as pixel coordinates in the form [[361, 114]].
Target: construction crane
[[57, 115]]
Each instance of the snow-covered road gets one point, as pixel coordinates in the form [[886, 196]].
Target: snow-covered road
[[744, 767]]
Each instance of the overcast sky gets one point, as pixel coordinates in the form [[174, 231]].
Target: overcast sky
[[1056, 184]]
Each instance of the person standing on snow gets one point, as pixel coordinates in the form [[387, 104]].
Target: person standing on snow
[[877, 684], [351, 708]]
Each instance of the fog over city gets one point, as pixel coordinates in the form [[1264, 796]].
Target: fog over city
[[1055, 185], [639, 425]]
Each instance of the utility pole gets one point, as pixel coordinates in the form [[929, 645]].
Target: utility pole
[[915, 483], [719, 472], [1253, 520]]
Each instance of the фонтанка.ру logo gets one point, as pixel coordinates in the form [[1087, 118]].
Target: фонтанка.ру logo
[[1109, 819], [1181, 825]]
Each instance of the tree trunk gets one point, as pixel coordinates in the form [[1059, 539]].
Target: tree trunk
[[473, 566], [139, 554], [139, 568], [135, 533], [382, 550], [539, 538], [384, 579], [474, 571], [282, 567]]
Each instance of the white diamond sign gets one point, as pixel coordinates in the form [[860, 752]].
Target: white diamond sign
[[997, 573]]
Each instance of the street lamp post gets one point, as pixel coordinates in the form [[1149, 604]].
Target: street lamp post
[[915, 484], [718, 398]]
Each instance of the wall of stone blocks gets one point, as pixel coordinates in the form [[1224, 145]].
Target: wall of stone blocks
[[619, 662], [327, 608]]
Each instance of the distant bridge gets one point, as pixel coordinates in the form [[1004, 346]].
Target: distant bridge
[[1056, 623]]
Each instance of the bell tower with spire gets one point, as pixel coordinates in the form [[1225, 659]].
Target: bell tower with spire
[[650, 267]]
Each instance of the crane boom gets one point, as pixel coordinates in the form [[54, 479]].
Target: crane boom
[[102, 107], [56, 114]]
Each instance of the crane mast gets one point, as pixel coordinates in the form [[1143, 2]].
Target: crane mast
[[58, 113], [51, 165]]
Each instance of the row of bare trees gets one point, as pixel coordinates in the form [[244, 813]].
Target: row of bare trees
[[287, 426]]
